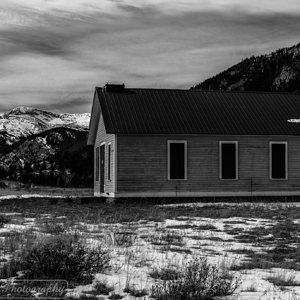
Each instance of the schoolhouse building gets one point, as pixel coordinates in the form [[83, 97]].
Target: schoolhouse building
[[193, 143]]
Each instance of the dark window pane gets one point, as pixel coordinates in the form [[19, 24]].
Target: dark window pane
[[278, 161], [177, 167], [228, 159]]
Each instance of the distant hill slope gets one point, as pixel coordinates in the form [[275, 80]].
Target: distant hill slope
[[277, 71], [43, 158], [39, 147]]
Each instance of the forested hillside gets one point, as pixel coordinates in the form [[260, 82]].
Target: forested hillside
[[51, 157], [278, 71]]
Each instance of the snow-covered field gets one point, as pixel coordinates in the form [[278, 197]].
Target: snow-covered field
[[257, 243], [17, 190]]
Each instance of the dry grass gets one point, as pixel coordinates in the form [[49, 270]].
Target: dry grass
[[137, 235], [283, 278]]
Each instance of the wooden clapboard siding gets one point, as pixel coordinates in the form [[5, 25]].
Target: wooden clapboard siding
[[102, 137], [142, 165]]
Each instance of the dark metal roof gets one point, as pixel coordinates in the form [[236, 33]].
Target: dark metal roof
[[159, 111]]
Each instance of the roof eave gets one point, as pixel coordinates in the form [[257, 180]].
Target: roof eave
[[95, 116]]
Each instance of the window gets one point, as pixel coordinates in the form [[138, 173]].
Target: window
[[108, 161], [228, 160], [97, 164], [177, 160], [278, 160]]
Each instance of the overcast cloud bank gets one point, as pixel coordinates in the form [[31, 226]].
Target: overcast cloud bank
[[54, 52]]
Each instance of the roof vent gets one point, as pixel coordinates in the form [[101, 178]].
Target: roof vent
[[114, 88]]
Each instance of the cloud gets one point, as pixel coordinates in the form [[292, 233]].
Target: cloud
[[138, 9], [70, 102], [224, 6], [54, 53], [31, 40]]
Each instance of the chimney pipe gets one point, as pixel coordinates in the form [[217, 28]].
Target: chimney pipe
[[114, 88]]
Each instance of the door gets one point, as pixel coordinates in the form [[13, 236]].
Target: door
[[102, 167]]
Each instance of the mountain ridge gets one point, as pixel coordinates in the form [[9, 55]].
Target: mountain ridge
[[23, 121], [278, 71], [38, 146], [44, 157]]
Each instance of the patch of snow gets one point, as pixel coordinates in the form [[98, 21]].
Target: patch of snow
[[15, 227], [26, 196], [11, 214], [56, 121], [83, 120]]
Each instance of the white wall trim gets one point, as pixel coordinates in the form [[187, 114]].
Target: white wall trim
[[201, 194]]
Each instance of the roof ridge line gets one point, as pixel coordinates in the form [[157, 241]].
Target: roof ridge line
[[210, 91]]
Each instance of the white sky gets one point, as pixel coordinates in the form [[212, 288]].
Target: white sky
[[54, 52]]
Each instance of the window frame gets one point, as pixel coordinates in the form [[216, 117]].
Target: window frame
[[236, 160], [286, 159], [97, 166], [185, 158], [109, 162]]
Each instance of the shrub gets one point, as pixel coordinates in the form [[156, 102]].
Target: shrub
[[12, 243], [283, 279], [83, 297], [114, 296], [199, 280], [63, 257], [53, 228], [53, 201], [13, 239], [4, 220], [100, 288], [169, 238], [68, 199], [165, 273], [124, 238], [281, 251], [252, 288], [133, 291], [9, 269]]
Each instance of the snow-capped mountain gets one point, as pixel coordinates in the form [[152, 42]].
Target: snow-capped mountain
[[25, 121], [39, 146]]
